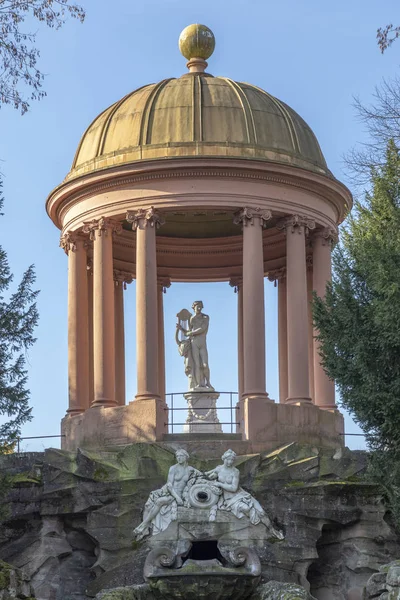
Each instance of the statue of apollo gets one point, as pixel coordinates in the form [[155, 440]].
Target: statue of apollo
[[192, 345]]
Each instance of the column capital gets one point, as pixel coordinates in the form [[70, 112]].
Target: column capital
[[103, 225], [236, 282], [328, 235], [69, 240], [246, 216], [164, 283], [295, 223], [277, 274], [122, 277], [144, 217]]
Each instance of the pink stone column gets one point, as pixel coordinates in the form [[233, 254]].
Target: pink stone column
[[145, 222], [78, 327], [90, 318], [254, 381], [322, 247], [296, 228], [101, 232], [237, 284], [240, 341], [282, 338], [279, 276], [310, 326], [162, 285], [120, 280]]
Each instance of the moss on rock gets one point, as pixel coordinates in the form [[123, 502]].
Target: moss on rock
[[4, 577], [134, 592], [13, 584]]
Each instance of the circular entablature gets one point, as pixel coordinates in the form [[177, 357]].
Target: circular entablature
[[200, 224]]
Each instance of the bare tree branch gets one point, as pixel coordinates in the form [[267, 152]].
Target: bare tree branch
[[18, 51], [382, 123], [386, 36]]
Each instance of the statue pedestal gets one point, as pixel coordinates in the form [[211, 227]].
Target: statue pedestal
[[202, 412]]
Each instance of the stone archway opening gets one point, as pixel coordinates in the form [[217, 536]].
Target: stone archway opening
[[205, 550]]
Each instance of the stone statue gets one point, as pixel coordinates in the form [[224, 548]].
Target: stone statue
[[193, 347], [161, 507], [210, 494], [235, 499]]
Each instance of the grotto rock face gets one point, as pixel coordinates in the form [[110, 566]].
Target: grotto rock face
[[71, 519]]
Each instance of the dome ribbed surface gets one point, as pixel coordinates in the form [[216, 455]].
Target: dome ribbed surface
[[198, 116]]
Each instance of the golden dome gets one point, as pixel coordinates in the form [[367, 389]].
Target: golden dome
[[198, 115]]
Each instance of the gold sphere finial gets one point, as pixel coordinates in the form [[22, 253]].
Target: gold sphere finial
[[196, 41]]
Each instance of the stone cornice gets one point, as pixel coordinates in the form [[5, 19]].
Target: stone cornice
[[132, 175]]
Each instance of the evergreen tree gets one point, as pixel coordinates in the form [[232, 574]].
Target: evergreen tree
[[359, 321], [18, 318]]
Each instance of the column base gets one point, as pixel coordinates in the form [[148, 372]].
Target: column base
[[255, 414], [328, 407], [267, 424], [299, 401], [104, 403], [96, 428], [256, 396], [71, 412], [147, 397]]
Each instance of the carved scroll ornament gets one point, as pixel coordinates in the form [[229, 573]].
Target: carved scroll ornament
[[145, 217], [295, 223], [246, 216], [102, 226], [328, 235], [122, 278], [69, 240]]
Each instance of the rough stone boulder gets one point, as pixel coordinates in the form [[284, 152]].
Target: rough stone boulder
[[275, 590], [133, 592], [14, 585], [385, 584]]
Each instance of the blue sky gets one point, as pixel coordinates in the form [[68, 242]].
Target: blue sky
[[315, 56]]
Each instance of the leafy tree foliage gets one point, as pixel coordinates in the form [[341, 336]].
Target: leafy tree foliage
[[18, 319], [18, 51], [359, 321]]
